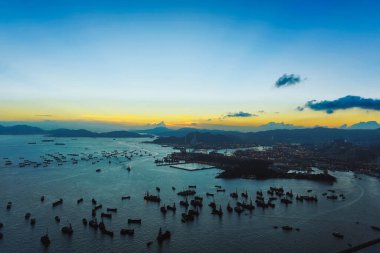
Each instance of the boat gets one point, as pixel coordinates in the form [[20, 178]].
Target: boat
[[68, 230], [57, 203], [98, 207], [27, 216], [57, 219], [163, 236], [186, 193], [33, 221], [195, 203], [84, 221], [125, 231], [184, 203], [173, 188], [93, 201], [192, 186], [229, 208], [338, 235], [79, 200], [172, 208], [9, 205], [112, 210], [163, 209], [106, 215], [158, 189], [152, 198], [220, 190], [107, 232], [42, 198], [287, 228], [217, 212], [375, 228], [212, 205], [125, 197], [98, 170], [238, 209], [45, 240], [93, 223], [234, 195], [209, 194], [134, 221]]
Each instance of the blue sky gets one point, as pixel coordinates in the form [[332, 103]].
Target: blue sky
[[187, 62]]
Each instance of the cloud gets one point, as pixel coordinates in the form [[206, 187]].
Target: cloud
[[343, 103], [160, 124], [239, 115], [43, 115], [287, 80]]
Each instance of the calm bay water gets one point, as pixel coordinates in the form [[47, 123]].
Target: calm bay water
[[249, 232]]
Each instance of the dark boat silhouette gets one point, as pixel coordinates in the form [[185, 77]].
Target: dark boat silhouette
[[163, 236], [125, 197], [42, 198], [93, 223], [186, 193], [33, 221], [27, 216], [79, 200], [93, 201], [106, 215], [172, 208], [134, 221], [338, 235], [67, 230], [45, 240], [112, 210], [287, 228], [84, 221], [125, 231], [229, 208], [57, 219], [57, 203], [152, 198]]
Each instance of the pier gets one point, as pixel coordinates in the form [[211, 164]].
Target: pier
[[361, 246]]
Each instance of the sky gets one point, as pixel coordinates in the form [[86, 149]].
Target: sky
[[211, 64]]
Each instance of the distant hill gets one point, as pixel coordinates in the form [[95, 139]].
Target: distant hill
[[20, 130], [28, 130], [318, 135]]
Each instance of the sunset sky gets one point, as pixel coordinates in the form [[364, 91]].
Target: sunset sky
[[191, 63]]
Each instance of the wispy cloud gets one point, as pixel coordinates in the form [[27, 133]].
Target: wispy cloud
[[43, 115], [239, 115], [287, 80], [343, 103]]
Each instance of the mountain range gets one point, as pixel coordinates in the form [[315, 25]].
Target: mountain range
[[166, 135], [62, 132]]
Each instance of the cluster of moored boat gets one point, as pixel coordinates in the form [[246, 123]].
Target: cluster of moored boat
[[74, 158], [191, 206]]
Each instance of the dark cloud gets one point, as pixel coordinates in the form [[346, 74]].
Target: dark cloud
[[239, 115], [343, 103], [287, 80]]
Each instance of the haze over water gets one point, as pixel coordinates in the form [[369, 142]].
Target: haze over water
[[245, 233]]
